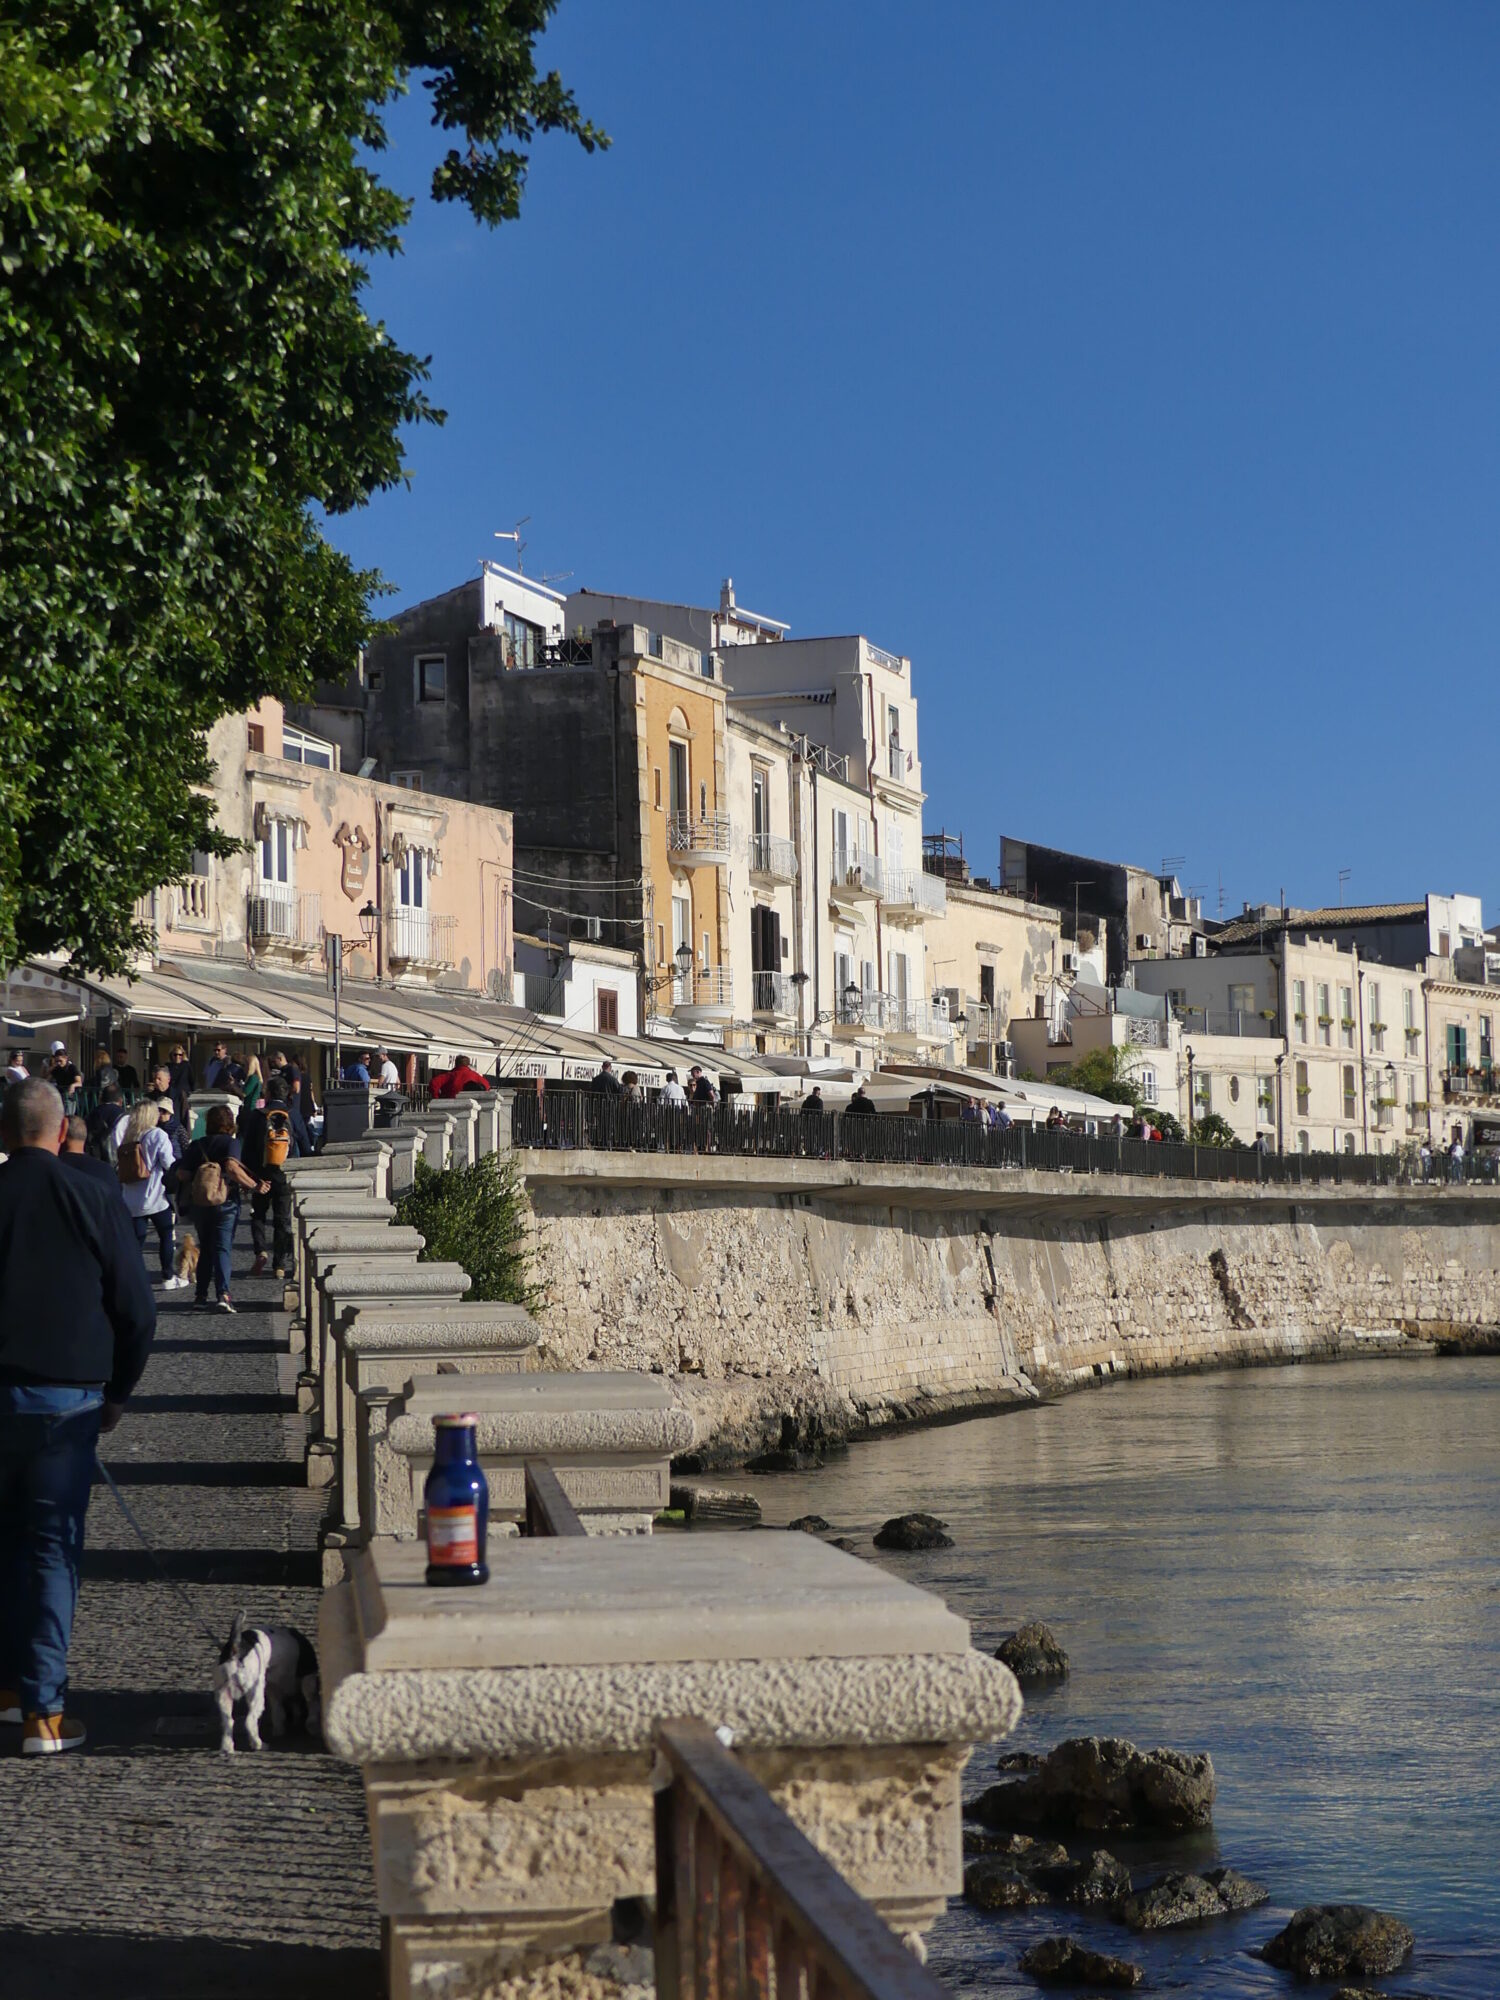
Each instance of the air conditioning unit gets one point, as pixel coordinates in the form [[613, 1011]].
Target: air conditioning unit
[[1143, 940], [1200, 945], [1070, 961]]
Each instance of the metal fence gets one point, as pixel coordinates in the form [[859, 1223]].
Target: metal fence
[[586, 1121], [746, 1906]]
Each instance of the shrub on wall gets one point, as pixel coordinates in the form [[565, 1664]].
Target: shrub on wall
[[474, 1216]]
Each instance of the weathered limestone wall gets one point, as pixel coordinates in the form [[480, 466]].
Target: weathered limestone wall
[[791, 1315]]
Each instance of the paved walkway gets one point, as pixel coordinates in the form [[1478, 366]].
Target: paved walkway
[[148, 1865]]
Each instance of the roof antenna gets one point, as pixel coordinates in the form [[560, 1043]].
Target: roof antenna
[[514, 535], [1344, 874]]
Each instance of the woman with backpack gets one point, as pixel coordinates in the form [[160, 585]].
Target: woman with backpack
[[266, 1143], [215, 1181], [144, 1162]]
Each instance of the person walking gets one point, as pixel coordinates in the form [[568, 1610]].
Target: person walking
[[76, 1324], [79, 1160], [265, 1146], [1456, 1159], [215, 1181], [103, 1122], [144, 1163]]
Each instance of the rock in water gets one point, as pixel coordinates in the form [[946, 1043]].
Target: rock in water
[[991, 1883], [914, 1531], [1328, 1940], [1018, 1849], [1099, 1882], [1019, 1760], [1237, 1891], [810, 1524], [1172, 1899], [1061, 1961], [1033, 1654], [1105, 1785], [703, 1504]]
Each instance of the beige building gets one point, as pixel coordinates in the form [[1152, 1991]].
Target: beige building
[[417, 886], [990, 957]]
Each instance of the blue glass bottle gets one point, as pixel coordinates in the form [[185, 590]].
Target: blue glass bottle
[[457, 1499]]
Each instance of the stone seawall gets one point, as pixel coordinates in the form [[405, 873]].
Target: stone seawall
[[860, 1298]]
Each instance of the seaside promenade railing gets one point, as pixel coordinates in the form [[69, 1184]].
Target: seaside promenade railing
[[585, 1121], [746, 1906]]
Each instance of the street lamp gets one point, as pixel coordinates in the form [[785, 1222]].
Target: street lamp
[[369, 922], [851, 1001]]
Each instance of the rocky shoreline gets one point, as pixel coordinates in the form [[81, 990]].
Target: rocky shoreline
[[791, 1423]]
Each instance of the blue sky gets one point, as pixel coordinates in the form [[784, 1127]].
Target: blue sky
[[1134, 368]]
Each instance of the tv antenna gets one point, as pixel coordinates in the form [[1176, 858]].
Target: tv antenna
[[556, 575], [514, 535], [1344, 874], [1170, 863]]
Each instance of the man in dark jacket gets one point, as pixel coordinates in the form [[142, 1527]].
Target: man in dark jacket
[[79, 1161], [76, 1322]]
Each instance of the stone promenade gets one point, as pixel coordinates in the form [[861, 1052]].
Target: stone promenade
[[148, 1865]]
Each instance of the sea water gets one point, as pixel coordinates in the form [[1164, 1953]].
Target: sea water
[[1295, 1569]]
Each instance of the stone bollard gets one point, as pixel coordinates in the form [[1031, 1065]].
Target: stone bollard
[[436, 1128], [365, 1280], [487, 1124], [610, 1438], [370, 1155], [347, 1205], [330, 1243], [504, 1732], [464, 1111], [406, 1144], [382, 1347]]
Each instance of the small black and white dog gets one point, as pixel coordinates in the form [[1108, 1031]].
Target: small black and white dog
[[273, 1670]]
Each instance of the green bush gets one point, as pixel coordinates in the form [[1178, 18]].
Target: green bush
[[1214, 1130], [474, 1216]]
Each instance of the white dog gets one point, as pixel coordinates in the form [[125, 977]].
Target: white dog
[[273, 1670]]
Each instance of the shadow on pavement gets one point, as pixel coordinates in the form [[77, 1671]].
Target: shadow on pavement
[[248, 1569], [205, 1472], [45, 1965]]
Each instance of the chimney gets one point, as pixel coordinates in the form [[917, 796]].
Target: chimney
[[726, 595]]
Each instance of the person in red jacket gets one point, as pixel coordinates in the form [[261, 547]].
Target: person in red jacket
[[462, 1076]]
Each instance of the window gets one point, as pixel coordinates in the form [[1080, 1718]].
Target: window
[[1304, 1144], [1409, 1010], [1299, 1007], [1458, 1046], [1177, 999], [300, 748], [1148, 1086], [274, 862], [202, 864], [1203, 1096], [1325, 1016], [607, 1010], [1375, 1024], [411, 880], [1349, 1100], [1346, 1016], [1303, 1094], [661, 944], [1265, 1100], [1348, 1142], [986, 985], [256, 735], [707, 959], [431, 676], [1234, 1090], [677, 775], [682, 934], [1486, 1050], [656, 786], [1242, 999], [524, 641], [373, 680], [841, 854], [410, 780]]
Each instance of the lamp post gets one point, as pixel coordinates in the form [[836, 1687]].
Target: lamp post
[[369, 923], [1280, 1146]]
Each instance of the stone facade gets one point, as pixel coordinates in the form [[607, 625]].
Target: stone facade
[[776, 1307]]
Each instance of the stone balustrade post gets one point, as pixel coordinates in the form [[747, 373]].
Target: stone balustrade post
[[382, 1244], [345, 1204], [504, 1733], [436, 1126], [407, 1146], [371, 1155]]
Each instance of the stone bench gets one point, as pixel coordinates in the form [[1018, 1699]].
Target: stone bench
[[610, 1438], [504, 1732]]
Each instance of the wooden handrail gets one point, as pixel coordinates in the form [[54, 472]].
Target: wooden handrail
[[549, 1511], [746, 1906]]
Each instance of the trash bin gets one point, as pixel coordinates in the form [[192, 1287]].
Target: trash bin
[[388, 1110]]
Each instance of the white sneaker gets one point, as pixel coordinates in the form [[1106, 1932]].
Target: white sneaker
[[174, 1284]]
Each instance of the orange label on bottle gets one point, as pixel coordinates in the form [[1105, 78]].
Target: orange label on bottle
[[453, 1536]]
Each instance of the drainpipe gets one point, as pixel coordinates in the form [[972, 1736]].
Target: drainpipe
[[816, 968], [379, 900], [1427, 1045], [1364, 1081]]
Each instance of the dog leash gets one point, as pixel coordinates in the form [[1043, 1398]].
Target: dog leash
[[161, 1568]]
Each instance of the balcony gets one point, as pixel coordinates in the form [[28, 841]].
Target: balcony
[[895, 769], [773, 995], [418, 941], [912, 894], [279, 923], [857, 876], [1481, 1080], [703, 997], [772, 859], [859, 1015], [699, 840], [193, 904]]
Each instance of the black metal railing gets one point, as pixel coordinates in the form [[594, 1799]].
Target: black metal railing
[[549, 1511], [581, 1120], [746, 1906]]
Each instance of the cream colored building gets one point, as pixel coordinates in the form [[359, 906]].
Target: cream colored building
[[990, 956]]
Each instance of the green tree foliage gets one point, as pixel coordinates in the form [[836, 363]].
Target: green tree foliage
[[1169, 1126], [474, 1216], [1213, 1130], [1104, 1072], [188, 206]]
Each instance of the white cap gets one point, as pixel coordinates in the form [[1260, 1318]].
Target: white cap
[[58, 1049]]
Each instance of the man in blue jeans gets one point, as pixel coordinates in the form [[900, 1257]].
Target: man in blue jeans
[[76, 1322]]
